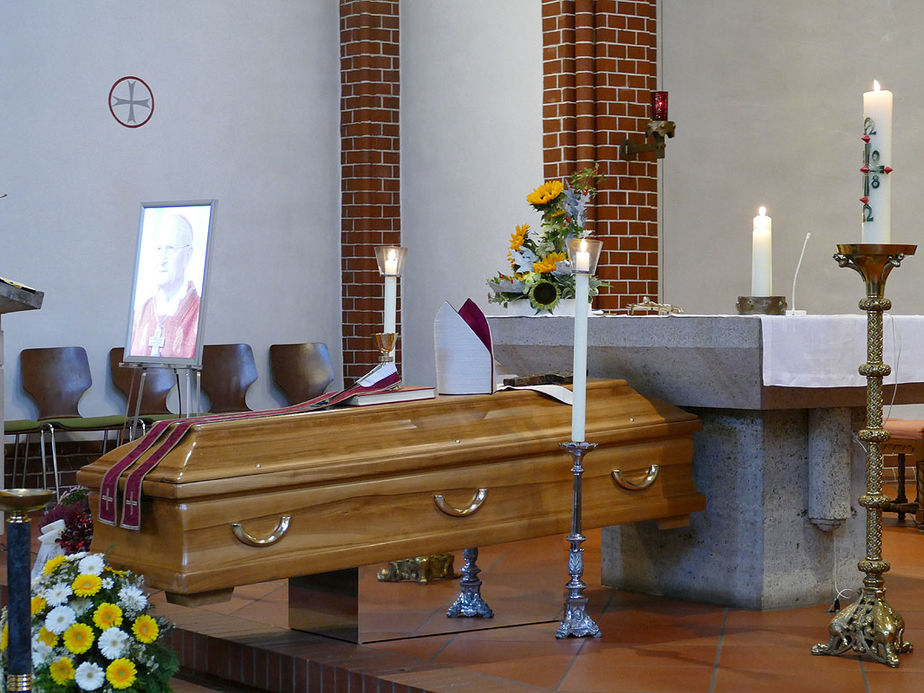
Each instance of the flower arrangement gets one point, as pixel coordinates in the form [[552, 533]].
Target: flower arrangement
[[91, 630], [540, 271]]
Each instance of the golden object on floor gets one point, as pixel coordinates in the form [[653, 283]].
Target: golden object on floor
[[421, 569]]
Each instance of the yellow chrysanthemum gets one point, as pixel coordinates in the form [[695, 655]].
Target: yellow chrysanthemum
[[547, 264], [517, 238], [78, 638], [38, 605], [120, 573], [47, 637], [52, 564], [545, 193], [145, 629], [4, 638], [86, 585], [121, 673], [107, 615], [61, 670]]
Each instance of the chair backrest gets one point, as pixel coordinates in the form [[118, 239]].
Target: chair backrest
[[157, 384], [228, 371], [302, 371], [56, 378]]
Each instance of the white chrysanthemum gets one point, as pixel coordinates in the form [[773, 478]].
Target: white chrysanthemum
[[132, 599], [108, 583], [41, 653], [57, 594], [111, 642], [81, 606], [60, 619], [72, 557], [91, 565], [89, 676]]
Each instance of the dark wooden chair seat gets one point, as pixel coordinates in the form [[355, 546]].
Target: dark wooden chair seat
[[228, 371], [906, 437], [303, 371]]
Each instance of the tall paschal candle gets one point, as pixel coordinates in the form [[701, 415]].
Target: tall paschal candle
[[877, 188]]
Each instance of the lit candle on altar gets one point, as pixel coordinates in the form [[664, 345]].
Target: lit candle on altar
[[762, 256], [579, 370], [877, 189], [391, 291]]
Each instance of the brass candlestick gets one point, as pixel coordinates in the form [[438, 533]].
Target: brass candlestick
[[19, 502], [870, 626]]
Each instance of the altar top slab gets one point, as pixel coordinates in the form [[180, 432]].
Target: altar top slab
[[724, 361]]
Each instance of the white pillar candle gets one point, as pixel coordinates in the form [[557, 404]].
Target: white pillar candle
[[579, 407], [762, 256], [391, 293], [877, 196]]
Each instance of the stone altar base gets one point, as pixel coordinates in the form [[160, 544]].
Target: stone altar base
[[755, 547]]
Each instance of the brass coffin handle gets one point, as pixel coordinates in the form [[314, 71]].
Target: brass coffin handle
[[246, 537], [453, 511], [650, 475]]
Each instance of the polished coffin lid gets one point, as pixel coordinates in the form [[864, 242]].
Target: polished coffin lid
[[309, 464]]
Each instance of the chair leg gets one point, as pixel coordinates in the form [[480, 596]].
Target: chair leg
[[919, 484], [901, 497], [54, 460]]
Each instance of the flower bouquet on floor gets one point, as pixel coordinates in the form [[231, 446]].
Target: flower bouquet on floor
[[539, 269], [91, 630]]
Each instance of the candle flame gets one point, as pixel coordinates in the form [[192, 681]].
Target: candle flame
[[392, 254], [583, 245], [762, 212], [876, 86]]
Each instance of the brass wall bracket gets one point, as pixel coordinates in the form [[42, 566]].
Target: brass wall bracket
[[245, 537], [659, 130]]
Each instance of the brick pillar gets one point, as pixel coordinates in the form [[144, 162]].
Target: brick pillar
[[370, 170], [599, 68]]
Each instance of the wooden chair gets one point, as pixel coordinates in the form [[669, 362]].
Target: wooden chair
[[56, 378], [906, 437], [228, 371], [303, 371], [158, 382], [21, 430]]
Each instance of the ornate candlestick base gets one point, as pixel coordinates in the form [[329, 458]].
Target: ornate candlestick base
[[870, 626], [469, 602], [576, 622], [19, 502], [761, 305]]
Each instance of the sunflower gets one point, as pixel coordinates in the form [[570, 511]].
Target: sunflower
[[547, 264], [544, 295], [517, 238], [85, 585], [121, 673], [145, 629], [61, 670], [107, 615], [78, 638], [545, 193]]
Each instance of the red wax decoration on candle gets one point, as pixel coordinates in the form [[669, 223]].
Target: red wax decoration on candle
[[659, 105]]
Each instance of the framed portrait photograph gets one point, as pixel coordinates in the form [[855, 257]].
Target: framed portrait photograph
[[168, 291]]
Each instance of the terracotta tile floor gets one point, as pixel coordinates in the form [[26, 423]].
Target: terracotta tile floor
[[649, 643]]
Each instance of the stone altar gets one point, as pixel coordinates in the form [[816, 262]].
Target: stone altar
[[778, 464]]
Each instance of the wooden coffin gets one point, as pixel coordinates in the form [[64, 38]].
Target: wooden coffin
[[359, 484]]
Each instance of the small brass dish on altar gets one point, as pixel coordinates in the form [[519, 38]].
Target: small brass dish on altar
[[761, 305]]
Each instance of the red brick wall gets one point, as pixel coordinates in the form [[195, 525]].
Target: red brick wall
[[370, 169], [599, 68]]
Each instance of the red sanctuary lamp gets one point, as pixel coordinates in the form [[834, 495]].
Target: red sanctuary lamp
[[659, 105]]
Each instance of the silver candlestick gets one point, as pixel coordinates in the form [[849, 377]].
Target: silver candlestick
[[576, 622]]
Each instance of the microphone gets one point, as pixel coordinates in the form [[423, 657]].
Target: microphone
[[796, 276]]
